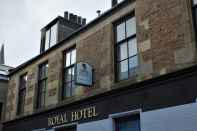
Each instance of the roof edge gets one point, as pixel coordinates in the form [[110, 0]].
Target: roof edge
[[109, 12]]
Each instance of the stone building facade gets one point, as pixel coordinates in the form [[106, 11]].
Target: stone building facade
[[4, 70], [165, 41]]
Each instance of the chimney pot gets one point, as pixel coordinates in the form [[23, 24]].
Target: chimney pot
[[79, 20], [75, 19], [66, 15], [71, 17], [114, 2], [98, 12], [83, 21]]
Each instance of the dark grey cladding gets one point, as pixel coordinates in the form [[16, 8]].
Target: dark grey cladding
[[66, 26]]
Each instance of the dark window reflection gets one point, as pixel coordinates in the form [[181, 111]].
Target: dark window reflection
[[126, 48], [69, 69], [42, 84], [131, 123], [22, 94]]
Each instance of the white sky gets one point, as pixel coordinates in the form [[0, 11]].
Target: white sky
[[21, 21]]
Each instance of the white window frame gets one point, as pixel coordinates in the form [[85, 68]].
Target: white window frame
[[124, 114]]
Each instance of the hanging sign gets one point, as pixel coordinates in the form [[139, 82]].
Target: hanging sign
[[83, 74]]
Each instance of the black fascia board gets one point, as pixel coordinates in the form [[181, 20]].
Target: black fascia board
[[177, 75], [54, 21]]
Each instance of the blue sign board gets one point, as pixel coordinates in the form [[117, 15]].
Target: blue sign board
[[83, 74]]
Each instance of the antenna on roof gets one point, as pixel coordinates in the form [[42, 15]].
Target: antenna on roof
[[2, 55], [98, 12]]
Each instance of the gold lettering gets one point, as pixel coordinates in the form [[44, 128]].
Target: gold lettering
[[74, 116], [65, 118], [80, 114], [89, 112], [94, 111], [50, 122], [56, 120], [84, 113], [60, 119]]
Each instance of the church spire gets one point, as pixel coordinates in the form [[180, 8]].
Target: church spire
[[2, 56]]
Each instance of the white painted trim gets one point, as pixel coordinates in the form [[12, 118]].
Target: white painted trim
[[124, 114], [66, 125], [43, 129], [127, 113]]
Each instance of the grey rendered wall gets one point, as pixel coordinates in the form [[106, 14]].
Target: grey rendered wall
[[102, 125], [181, 118]]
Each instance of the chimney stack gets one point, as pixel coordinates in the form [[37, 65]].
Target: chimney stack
[[66, 15], [83, 21], [114, 2], [79, 21], [2, 55], [71, 17], [74, 18]]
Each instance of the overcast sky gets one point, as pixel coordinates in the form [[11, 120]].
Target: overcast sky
[[21, 21]]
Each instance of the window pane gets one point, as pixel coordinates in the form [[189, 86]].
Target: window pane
[[73, 56], [122, 51], [46, 84], [133, 63], [47, 38], [64, 91], [41, 74], [121, 32], [23, 92], [44, 71], [73, 88], [42, 86], [195, 2], [23, 81], [46, 67], [68, 55], [53, 40], [42, 100], [20, 105], [195, 15], [68, 89], [123, 70], [73, 73], [21, 101], [132, 47], [120, 1], [129, 125], [66, 129], [131, 26], [68, 75], [51, 130]]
